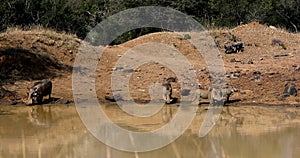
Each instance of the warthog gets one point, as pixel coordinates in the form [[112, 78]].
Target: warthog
[[215, 95], [289, 90], [234, 48], [229, 49], [168, 90], [227, 92], [239, 46], [38, 91]]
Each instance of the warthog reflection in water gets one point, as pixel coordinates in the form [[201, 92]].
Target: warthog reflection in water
[[40, 116], [38, 91], [167, 113]]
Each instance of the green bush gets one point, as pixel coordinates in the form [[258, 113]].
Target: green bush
[[79, 16]]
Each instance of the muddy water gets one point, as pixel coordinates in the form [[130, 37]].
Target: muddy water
[[241, 131]]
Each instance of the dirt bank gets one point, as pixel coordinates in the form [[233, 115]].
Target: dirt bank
[[260, 72]]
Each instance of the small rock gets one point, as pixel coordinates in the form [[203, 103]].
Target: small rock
[[290, 89], [234, 60], [13, 103], [277, 42], [242, 92], [114, 98], [63, 101], [250, 62], [257, 73], [281, 98], [280, 55], [185, 92], [273, 27], [171, 79], [117, 68], [248, 44], [128, 70], [187, 36], [203, 69], [233, 75]]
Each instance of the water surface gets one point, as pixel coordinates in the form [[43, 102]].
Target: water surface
[[242, 131]]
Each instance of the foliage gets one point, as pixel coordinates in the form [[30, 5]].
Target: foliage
[[79, 16]]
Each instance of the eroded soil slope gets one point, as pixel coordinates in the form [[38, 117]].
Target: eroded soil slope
[[260, 72]]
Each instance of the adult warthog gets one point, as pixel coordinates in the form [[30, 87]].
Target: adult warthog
[[217, 95], [38, 91]]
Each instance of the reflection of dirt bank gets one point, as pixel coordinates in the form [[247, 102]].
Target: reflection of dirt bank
[[255, 120], [38, 130], [57, 131], [250, 120]]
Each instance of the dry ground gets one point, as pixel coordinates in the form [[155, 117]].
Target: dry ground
[[28, 55]]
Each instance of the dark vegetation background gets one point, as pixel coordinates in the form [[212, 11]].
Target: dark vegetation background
[[79, 16]]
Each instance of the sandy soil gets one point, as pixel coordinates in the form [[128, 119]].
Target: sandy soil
[[261, 76]]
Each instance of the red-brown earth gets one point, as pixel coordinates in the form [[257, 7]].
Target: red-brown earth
[[29, 55]]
